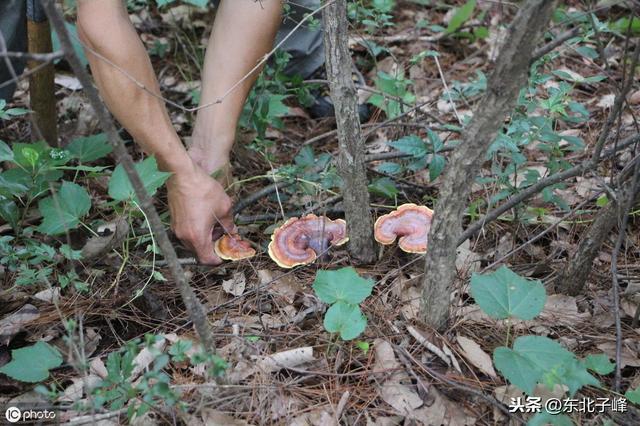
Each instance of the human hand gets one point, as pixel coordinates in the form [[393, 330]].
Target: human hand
[[198, 204]]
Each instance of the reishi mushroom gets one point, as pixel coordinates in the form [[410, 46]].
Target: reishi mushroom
[[232, 247], [410, 222], [301, 241]]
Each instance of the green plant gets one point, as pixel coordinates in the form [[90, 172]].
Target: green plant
[[395, 93], [344, 290], [532, 360], [32, 363]]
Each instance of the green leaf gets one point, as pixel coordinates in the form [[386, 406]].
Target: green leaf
[[599, 363], [504, 294], [461, 16], [32, 364], [198, 3], [436, 166], [63, 212], [602, 200], [9, 212], [346, 319], [363, 346], [120, 188], [5, 152], [90, 148], [411, 144], [516, 368], [77, 47], [343, 285], [633, 395], [389, 168], [384, 186], [574, 374], [534, 357]]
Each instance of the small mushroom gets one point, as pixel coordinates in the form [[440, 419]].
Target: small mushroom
[[409, 222], [301, 241], [232, 247]]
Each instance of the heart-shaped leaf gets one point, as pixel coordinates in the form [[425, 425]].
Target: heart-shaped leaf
[[505, 294], [537, 359], [63, 212], [343, 285], [32, 364], [120, 188], [345, 319], [90, 148]]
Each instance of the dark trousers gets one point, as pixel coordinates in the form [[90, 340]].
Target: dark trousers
[[13, 26]]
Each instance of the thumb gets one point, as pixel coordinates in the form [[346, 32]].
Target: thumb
[[205, 252]]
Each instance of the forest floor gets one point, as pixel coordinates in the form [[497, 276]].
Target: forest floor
[[399, 371]]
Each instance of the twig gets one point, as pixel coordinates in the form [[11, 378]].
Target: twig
[[493, 401], [541, 51], [625, 209], [195, 310], [40, 57], [532, 190]]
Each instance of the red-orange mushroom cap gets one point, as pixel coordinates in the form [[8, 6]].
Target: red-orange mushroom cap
[[232, 247], [301, 241], [410, 222]]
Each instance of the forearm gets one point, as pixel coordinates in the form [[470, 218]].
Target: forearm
[[105, 28]]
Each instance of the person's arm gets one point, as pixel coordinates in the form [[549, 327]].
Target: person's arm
[[195, 199]]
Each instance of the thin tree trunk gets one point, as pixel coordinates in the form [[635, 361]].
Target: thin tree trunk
[[41, 83], [510, 74], [351, 158], [578, 267]]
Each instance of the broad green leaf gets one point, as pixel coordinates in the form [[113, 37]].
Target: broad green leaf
[[346, 319], [573, 374], [504, 294], [517, 368], [633, 395], [343, 285], [599, 363], [411, 144], [535, 359], [461, 16], [389, 168], [32, 364], [385, 187], [120, 188], [64, 211], [12, 183], [90, 148], [5, 152]]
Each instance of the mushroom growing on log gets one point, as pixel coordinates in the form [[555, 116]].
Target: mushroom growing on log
[[410, 222], [232, 247], [301, 241]]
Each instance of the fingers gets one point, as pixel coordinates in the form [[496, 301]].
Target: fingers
[[205, 252]]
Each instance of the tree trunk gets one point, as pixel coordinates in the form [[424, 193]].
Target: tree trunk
[[41, 83], [510, 74], [351, 157], [578, 267]]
